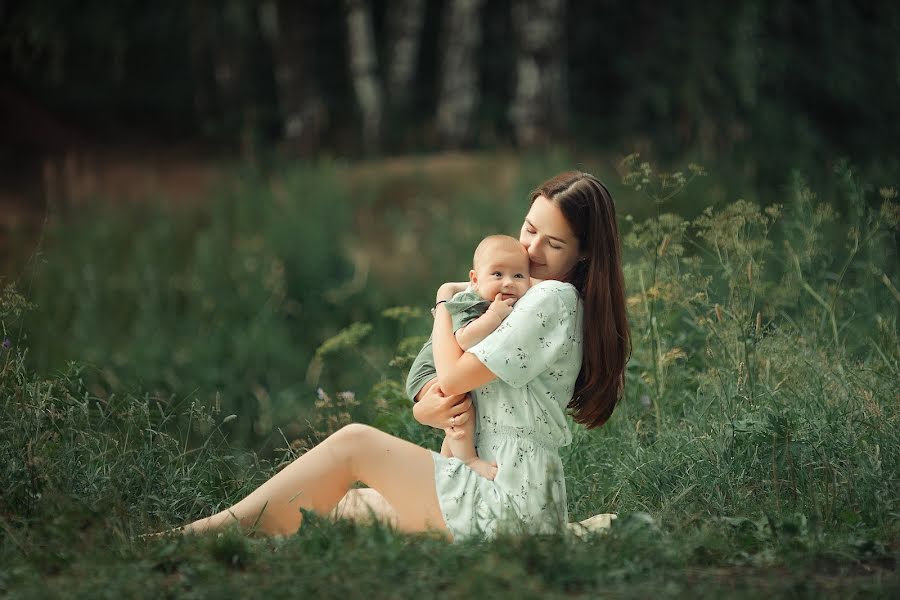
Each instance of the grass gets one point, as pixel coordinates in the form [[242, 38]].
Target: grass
[[754, 453]]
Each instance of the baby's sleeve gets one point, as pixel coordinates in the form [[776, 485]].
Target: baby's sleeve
[[537, 333], [421, 371]]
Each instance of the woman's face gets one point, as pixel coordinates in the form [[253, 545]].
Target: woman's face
[[551, 244]]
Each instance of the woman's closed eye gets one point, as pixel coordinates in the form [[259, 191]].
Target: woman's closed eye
[[533, 231]]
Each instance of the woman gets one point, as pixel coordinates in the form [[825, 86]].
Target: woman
[[564, 345]]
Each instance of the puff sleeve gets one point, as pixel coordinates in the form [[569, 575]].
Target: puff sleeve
[[540, 330]]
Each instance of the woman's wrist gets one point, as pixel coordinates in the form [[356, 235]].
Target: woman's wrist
[[444, 293], [450, 289]]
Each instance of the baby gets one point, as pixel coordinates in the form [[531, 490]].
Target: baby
[[499, 277]]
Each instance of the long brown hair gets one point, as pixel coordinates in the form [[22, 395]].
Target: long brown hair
[[588, 207]]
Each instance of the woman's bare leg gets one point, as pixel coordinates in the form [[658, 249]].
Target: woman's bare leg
[[400, 471]]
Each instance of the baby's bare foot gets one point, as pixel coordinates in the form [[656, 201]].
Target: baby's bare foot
[[483, 468]]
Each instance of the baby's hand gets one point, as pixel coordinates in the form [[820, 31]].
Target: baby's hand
[[501, 307]]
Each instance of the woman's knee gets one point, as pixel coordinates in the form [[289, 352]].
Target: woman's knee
[[353, 438], [355, 432], [353, 441]]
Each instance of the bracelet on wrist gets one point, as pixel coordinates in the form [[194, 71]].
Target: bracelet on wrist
[[436, 304]]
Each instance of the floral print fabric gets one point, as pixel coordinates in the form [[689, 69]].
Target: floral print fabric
[[521, 420]]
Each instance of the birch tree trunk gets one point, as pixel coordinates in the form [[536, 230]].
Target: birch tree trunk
[[289, 27], [540, 103], [459, 87], [404, 23], [364, 71]]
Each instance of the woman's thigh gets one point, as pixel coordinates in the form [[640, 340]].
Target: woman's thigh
[[401, 472]]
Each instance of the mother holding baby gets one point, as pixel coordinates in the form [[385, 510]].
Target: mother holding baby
[[563, 347]]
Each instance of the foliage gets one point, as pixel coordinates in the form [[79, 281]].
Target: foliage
[[754, 448]]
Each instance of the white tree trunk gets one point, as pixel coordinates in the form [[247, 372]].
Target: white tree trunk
[[540, 102], [289, 28], [364, 70], [459, 91], [404, 24]]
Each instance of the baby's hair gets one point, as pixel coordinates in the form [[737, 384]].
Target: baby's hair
[[494, 241]]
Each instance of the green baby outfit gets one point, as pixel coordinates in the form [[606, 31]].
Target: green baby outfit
[[536, 355], [464, 307]]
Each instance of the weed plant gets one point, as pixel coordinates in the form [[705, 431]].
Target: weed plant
[[755, 450]]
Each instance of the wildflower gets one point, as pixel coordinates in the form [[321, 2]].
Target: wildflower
[[347, 397], [320, 393], [645, 400]]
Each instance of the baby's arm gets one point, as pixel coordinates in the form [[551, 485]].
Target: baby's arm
[[477, 329], [480, 328]]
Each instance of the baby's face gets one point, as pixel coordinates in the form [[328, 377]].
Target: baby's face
[[501, 270]]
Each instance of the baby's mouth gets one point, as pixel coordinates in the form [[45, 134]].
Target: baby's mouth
[[507, 296]]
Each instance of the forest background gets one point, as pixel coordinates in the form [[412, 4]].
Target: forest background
[[221, 224]]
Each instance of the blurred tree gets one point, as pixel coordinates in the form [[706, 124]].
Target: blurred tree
[[768, 83], [405, 19], [539, 109], [225, 50], [364, 71], [290, 28], [459, 87]]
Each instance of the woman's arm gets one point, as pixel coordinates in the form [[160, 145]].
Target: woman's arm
[[457, 371], [435, 409]]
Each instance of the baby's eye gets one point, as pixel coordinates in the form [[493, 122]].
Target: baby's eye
[[519, 276], [496, 274]]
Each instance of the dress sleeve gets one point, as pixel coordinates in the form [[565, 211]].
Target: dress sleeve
[[537, 333]]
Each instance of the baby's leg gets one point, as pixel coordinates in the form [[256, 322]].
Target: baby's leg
[[445, 446], [461, 443]]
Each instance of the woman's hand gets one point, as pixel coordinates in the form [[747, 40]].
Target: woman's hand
[[450, 289], [438, 410]]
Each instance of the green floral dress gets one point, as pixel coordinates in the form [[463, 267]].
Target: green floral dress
[[536, 355]]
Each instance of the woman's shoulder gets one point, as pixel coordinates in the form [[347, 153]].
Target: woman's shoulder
[[560, 293], [552, 287]]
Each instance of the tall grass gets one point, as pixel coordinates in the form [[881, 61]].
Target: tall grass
[[759, 426]]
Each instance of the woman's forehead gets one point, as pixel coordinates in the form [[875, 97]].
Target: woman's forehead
[[545, 216]]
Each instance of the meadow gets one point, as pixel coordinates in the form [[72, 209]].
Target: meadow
[[161, 361]]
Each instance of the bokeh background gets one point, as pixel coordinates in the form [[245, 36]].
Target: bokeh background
[[222, 224], [197, 195]]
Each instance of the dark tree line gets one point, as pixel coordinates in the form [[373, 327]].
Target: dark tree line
[[397, 75]]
